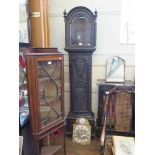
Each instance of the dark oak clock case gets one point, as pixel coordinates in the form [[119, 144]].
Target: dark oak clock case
[[80, 43]]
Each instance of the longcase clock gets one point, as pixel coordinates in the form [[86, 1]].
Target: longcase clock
[[80, 43], [46, 98]]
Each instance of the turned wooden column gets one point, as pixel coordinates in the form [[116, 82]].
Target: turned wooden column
[[39, 23]]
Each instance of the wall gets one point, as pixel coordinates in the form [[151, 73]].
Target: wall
[[108, 40]]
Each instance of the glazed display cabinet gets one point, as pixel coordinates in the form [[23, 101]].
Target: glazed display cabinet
[[46, 99]]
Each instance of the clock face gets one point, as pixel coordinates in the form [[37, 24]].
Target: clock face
[[80, 32], [81, 133]]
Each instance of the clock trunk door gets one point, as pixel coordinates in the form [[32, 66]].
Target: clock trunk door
[[50, 88]]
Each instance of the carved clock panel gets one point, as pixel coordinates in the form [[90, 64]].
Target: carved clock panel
[[80, 69]]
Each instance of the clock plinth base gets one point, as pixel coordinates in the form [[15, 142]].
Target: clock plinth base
[[71, 118]]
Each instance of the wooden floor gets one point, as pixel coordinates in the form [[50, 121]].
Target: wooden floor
[[76, 149], [71, 148]]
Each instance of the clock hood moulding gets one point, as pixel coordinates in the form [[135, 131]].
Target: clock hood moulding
[[80, 30]]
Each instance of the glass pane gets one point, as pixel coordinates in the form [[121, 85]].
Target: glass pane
[[49, 91], [80, 32]]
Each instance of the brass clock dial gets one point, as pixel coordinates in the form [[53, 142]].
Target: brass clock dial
[[81, 131]]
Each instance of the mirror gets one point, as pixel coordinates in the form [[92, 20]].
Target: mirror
[[115, 69]]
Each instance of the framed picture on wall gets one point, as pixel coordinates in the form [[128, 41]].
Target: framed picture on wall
[[23, 22], [115, 69]]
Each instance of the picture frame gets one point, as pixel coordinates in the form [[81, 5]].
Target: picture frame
[[23, 22], [115, 69]]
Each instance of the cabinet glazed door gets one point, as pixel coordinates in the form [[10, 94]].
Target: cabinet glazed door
[[50, 91]]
